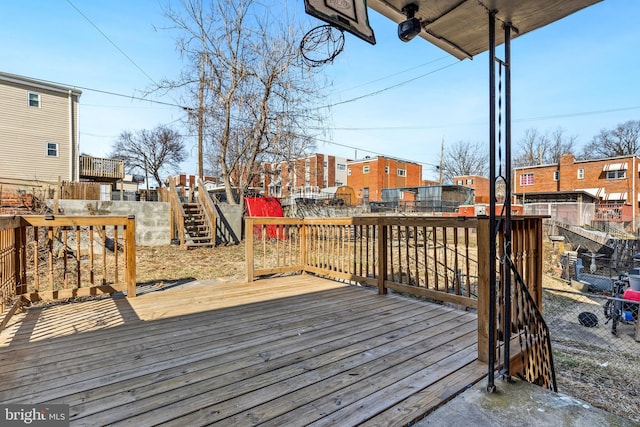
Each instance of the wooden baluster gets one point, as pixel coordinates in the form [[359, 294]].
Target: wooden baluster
[[78, 258]]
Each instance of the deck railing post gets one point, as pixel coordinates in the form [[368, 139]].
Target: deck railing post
[[382, 256], [131, 256], [22, 272], [248, 242], [483, 289], [303, 245]]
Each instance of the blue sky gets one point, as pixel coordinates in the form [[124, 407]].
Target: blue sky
[[579, 74]]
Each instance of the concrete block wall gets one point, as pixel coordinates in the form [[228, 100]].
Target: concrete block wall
[[152, 218]]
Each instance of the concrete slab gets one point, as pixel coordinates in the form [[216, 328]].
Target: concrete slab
[[519, 404]]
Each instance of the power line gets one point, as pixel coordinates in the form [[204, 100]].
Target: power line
[[106, 92], [524, 119], [395, 74], [112, 42], [378, 92]]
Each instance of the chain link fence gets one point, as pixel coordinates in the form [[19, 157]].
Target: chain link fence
[[591, 362]]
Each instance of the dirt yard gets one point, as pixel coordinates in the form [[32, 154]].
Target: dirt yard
[[162, 264], [586, 366]]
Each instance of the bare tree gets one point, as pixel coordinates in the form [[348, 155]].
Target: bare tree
[[150, 151], [538, 149], [243, 72], [465, 158], [624, 140]]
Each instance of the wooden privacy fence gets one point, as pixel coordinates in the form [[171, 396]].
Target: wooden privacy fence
[[66, 256], [79, 190]]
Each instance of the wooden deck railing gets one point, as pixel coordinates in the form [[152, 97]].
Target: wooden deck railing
[[44, 258], [443, 259], [431, 257], [96, 167]]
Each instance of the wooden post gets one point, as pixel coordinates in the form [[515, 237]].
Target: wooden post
[[131, 256], [483, 288], [303, 246], [382, 256], [58, 194], [248, 247], [20, 239]]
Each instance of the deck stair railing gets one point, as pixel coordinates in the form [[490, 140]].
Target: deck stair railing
[[534, 360]]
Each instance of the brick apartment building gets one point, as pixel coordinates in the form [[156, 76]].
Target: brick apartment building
[[480, 185], [612, 183], [303, 175], [370, 175]]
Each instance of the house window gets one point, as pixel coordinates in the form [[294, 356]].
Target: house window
[[469, 182], [341, 167], [402, 172], [349, 172], [616, 174], [34, 99], [325, 163], [365, 169], [459, 182], [526, 179], [580, 173], [339, 183], [556, 175], [52, 149], [386, 170]]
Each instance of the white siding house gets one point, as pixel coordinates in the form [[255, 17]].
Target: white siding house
[[38, 131]]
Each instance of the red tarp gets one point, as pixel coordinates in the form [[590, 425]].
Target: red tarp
[[265, 206]]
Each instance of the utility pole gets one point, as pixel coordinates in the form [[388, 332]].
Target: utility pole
[[441, 160], [200, 118]]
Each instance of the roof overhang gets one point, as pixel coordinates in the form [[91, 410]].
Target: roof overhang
[[38, 84], [461, 27]]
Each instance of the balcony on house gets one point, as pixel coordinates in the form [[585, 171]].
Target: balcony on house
[[102, 169]]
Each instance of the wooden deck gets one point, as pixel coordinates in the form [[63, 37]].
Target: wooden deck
[[285, 351]]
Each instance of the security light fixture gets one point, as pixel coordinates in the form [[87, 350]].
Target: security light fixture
[[410, 28]]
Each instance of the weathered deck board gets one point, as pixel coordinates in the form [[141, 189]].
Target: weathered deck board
[[283, 351]]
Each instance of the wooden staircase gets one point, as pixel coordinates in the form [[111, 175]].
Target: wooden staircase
[[193, 222], [197, 226]]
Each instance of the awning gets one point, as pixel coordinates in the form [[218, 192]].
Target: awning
[[615, 167], [617, 196], [595, 192], [460, 27]]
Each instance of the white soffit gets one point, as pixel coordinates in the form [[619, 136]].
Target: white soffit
[[461, 27]]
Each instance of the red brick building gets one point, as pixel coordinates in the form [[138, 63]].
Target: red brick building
[[480, 185], [614, 183], [306, 174], [370, 175]]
